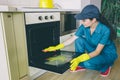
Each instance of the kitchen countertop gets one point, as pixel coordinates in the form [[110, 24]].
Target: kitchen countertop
[[37, 9], [6, 8]]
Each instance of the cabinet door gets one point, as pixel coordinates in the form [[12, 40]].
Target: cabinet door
[[21, 47], [9, 38], [15, 42]]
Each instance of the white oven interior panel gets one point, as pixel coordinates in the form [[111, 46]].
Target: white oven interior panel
[[64, 38]]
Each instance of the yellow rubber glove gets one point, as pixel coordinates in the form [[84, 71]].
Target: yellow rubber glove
[[51, 48], [59, 46], [76, 61], [54, 48]]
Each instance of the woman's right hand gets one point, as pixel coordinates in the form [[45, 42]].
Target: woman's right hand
[[49, 49], [53, 48]]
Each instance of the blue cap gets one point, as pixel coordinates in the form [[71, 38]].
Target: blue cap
[[90, 11]]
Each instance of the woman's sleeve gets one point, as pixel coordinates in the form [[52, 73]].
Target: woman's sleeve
[[80, 31], [105, 37]]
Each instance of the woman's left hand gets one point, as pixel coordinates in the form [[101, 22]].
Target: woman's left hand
[[76, 61]]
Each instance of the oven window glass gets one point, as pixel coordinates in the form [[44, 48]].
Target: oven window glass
[[70, 22]]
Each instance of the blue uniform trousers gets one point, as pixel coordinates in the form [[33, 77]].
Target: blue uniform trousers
[[100, 63]]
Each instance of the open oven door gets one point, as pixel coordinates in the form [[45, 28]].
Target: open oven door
[[43, 35]]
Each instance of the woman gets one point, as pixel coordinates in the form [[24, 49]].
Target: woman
[[94, 47]]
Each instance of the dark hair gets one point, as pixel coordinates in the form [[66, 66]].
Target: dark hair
[[103, 20]]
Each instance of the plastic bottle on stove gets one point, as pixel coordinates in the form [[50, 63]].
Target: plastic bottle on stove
[[46, 4]]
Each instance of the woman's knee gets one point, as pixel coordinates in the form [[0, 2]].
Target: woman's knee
[[79, 45], [87, 64]]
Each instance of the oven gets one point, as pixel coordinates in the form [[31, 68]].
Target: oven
[[68, 23], [43, 30]]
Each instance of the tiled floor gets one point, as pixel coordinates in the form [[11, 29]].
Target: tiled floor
[[35, 72]]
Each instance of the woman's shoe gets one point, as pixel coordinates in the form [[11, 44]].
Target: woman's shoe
[[79, 68], [106, 73]]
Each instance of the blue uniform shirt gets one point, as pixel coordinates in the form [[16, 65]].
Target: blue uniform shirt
[[101, 35]]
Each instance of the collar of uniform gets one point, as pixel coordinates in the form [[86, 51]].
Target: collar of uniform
[[98, 28]]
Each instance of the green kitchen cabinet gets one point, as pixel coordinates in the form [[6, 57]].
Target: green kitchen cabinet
[[13, 51]]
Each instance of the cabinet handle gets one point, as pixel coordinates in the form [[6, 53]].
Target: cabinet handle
[[8, 16]]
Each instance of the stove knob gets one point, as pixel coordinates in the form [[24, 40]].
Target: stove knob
[[46, 17], [51, 17], [40, 18]]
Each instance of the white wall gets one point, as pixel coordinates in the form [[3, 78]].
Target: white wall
[[65, 4], [97, 3], [77, 4], [3, 2], [23, 3], [69, 4]]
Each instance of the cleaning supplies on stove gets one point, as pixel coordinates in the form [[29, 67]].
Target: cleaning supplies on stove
[[46, 4]]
